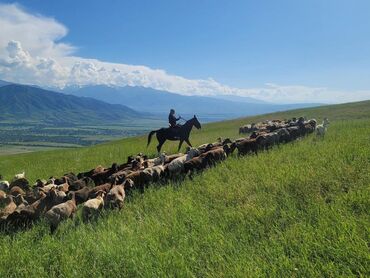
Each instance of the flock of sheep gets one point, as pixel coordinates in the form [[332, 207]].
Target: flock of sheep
[[58, 199]]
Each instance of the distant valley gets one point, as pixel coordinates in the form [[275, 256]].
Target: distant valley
[[33, 118]]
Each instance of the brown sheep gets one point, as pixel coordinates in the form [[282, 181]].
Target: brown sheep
[[2, 195], [7, 207], [104, 187], [120, 176], [246, 146], [139, 179], [81, 183], [63, 187], [81, 195], [61, 212], [16, 190], [20, 183], [103, 177]]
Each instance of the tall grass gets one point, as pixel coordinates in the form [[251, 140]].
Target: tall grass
[[298, 210]]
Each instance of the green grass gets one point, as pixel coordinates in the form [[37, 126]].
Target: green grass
[[300, 210]]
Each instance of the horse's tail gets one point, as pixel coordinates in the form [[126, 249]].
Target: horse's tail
[[150, 136]]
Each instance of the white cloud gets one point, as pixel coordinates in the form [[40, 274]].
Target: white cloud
[[31, 53]]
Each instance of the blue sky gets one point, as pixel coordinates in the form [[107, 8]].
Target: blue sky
[[242, 44]]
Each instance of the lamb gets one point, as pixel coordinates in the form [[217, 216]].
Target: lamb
[[92, 207], [61, 212]]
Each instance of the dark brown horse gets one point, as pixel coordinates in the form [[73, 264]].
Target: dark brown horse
[[178, 133]]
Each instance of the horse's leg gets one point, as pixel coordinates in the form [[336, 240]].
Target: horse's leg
[[180, 145], [160, 145], [188, 142]]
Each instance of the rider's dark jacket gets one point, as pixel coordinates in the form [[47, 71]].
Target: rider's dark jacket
[[172, 120]]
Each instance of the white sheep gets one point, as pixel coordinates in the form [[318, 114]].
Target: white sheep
[[176, 166], [160, 160], [19, 176]]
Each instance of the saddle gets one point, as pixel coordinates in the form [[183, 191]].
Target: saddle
[[174, 131]]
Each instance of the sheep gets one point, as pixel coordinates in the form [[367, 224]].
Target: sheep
[[92, 207], [170, 158], [4, 185], [102, 177], [246, 146], [22, 183], [214, 155], [177, 165], [19, 200], [2, 195], [139, 179], [120, 176], [115, 197], [16, 190], [155, 161], [63, 187], [81, 195], [61, 212], [96, 170], [154, 173], [321, 129], [104, 187], [7, 207], [24, 216], [195, 164], [81, 183], [19, 176]]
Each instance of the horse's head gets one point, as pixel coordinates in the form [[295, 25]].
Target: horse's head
[[196, 122]]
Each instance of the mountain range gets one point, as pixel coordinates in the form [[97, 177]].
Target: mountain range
[[155, 101], [104, 104], [28, 103]]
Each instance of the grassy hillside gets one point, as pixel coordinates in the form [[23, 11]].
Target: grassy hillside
[[298, 210]]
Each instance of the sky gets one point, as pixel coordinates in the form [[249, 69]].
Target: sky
[[283, 51]]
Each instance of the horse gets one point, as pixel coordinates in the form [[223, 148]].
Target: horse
[[178, 133]]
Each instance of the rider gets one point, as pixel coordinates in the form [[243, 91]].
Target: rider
[[172, 119]]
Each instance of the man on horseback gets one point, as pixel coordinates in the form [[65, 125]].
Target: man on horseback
[[172, 119]]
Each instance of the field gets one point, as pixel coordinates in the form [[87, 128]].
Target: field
[[18, 137], [299, 210]]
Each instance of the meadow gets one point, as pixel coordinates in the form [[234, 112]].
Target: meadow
[[300, 209]]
